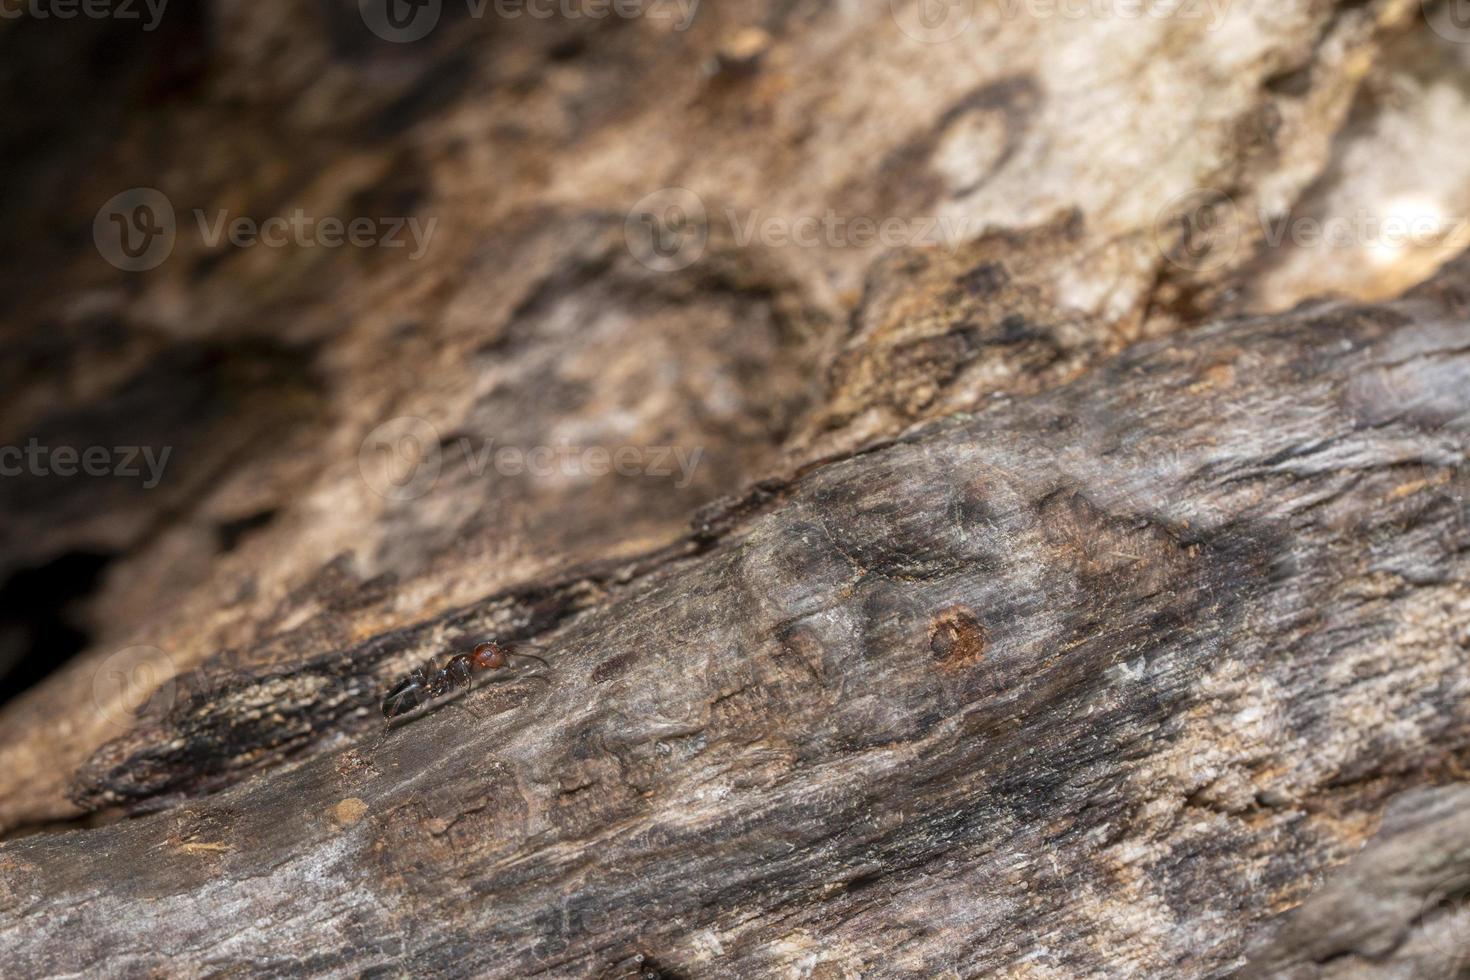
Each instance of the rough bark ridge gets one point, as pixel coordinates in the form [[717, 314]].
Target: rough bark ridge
[[1123, 666], [1048, 599]]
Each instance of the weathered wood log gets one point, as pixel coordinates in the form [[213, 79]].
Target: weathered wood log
[[1091, 681], [1052, 221], [1398, 908]]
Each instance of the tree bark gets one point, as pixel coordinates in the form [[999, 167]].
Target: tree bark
[[1058, 590], [1092, 680]]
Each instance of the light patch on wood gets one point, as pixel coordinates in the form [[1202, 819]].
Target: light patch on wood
[[1412, 487], [349, 811]]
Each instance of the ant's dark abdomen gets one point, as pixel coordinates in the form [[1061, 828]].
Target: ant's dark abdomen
[[407, 696]]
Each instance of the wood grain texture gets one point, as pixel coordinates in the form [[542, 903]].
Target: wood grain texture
[[1065, 597], [1397, 910], [1040, 214], [1088, 682]]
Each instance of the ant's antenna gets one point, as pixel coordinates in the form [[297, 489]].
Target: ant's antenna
[[528, 656]]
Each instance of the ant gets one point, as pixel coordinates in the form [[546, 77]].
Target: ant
[[430, 683]]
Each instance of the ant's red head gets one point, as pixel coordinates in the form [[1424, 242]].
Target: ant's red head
[[488, 656]]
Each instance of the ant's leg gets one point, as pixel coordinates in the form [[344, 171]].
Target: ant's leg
[[382, 737]]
